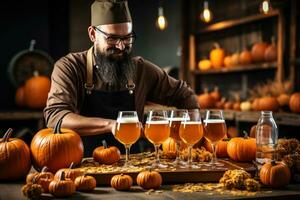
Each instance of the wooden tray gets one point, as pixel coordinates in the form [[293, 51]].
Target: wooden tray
[[173, 175]]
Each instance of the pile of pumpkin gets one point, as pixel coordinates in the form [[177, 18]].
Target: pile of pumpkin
[[33, 94], [260, 52]]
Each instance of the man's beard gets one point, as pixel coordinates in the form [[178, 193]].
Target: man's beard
[[115, 67]]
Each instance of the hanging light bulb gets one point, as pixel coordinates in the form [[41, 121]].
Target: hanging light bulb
[[206, 14], [161, 21], [265, 6]]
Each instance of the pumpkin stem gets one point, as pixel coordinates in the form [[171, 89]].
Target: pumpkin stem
[[216, 45], [273, 162], [245, 134], [36, 73], [57, 128], [45, 169], [7, 135], [72, 165], [62, 176], [104, 144]]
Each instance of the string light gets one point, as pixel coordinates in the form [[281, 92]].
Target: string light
[[206, 14], [161, 21], [265, 6]]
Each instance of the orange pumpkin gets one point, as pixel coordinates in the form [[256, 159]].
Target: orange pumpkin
[[56, 148], [275, 174], [227, 61], [36, 91], [255, 104], [121, 182], [258, 52], [216, 95], [14, 157], [71, 172], [220, 104], [204, 65], [242, 148], [245, 57], [62, 187], [236, 106], [206, 144], [20, 96], [271, 52], [217, 56], [85, 183], [295, 102], [268, 103], [228, 105], [283, 100], [235, 59], [169, 147], [149, 179], [106, 155], [221, 148], [43, 178], [205, 100]]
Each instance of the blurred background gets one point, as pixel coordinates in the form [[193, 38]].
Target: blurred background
[[214, 45]]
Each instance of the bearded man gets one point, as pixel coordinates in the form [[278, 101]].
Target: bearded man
[[89, 88]]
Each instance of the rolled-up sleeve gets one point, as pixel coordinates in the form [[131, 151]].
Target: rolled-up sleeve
[[62, 98]]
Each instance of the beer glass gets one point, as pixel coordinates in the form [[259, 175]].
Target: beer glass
[[157, 130], [190, 132], [175, 118], [128, 130], [215, 130]]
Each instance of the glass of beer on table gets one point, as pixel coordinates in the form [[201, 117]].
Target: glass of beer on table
[[175, 119], [128, 130], [214, 131], [157, 130], [190, 132]]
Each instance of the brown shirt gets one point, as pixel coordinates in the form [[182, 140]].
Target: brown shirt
[[67, 91]]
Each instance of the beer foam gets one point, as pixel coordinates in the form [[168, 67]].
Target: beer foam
[[176, 119], [127, 120], [189, 122], [214, 121], [157, 122]]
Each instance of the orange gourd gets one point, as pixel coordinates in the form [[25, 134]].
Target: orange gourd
[[295, 102], [36, 91], [169, 147], [56, 148], [242, 148], [20, 96], [268, 103], [71, 172], [245, 57], [121, 182], [217, 56], [258, 52], [106, 155], [204, 65], [149, 179], [275, 174], [85, 183], [62, 187], [14, 157], [271, 52], [227, 61], [205, 100], [216, 95], [221, 148], [43, 178], [235, 59]]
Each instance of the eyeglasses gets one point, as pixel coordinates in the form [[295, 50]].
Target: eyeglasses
[[114, 39]]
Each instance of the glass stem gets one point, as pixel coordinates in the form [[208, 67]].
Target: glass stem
[[177, 151], [214, 156], [127, 150], [190, 160], [157, 154]]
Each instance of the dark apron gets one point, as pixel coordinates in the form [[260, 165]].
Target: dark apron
[[105, 105]]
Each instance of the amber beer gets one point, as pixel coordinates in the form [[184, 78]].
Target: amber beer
[[215, 129], [191, 132], [175, 124], [128, 130], [157, 131]]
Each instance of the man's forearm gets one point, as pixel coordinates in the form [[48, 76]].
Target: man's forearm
[[87, 125]]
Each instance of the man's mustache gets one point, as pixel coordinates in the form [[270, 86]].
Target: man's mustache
[[113, 50]]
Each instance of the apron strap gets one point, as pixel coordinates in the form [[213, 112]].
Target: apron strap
[[89, 86]]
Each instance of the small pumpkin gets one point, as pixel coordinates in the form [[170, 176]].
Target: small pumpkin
[[237, 106], [268, 103], [245, 106], [43, 178], [106, 155], [242, 148], [65, 147], [205, 100], [215, 94], [204, 65], [220, 104], [169, 147], [121, 182], [283, 100], [20, 96], [228, 105], [271, 52], [221, 148], [275, 174], [245, 57], [258, 52], [295, 102], [36, 91], [255, 104], [62, 187], [71, 172], [235, 59], [217, 56], [149, 179], [85, 183], [15, 160], [227, 61]]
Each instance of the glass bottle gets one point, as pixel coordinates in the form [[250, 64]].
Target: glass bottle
[[266, 138]]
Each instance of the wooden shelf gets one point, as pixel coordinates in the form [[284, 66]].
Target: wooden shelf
[[251, 67], [236, 22]]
